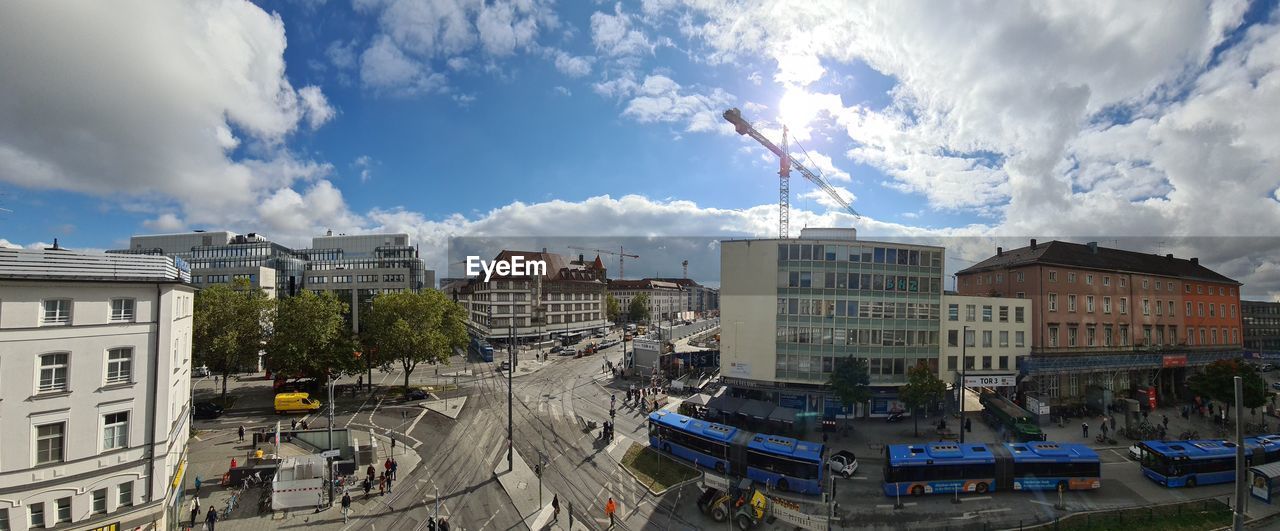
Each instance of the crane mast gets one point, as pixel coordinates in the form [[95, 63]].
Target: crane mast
[[620, 253], [785, 164]]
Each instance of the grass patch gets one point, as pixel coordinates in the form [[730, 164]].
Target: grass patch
[[657, 471], [1193, 516]]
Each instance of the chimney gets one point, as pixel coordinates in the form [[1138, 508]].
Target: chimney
[[1195, 260], [999, 251], [580, 257], [1093, 247], [1168, 256], [1033, 243], [55, 246], [328, 232]]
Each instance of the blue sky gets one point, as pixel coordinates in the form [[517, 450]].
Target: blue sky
[[445, 118]]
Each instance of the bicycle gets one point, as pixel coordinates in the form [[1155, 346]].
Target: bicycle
[[231, 505]]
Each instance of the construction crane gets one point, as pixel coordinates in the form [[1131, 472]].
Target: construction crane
[[620, 253], [785, 165]]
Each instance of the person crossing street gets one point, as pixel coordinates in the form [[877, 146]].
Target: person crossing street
[[610, 507], [346, 506]]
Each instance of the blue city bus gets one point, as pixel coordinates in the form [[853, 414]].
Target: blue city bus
[[977, 467], [1203, 462], [700, 442], [779, 462], [481, 348], [570, 339], [786, 463]]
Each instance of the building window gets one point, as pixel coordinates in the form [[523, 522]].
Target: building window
[[1088, 303], [1090, 335], [953, 312], [1004, 338], [986, 339], [1186, 288], [1071, 302], [1200, 309], [125, 498], [64, 510], [115, 431], [1053, 276], [56, 312], [971, 312], [1146, 307], [1158, 306], [986, 314], [100, 501], [1071, 336], [1173, 335], [1123, 282], [1106, 305], [1018, 314], [1146, 336], [1199, 289], [122, 310], [1188, 308], [951, 362], [119, 365], [1088, 279], [1020, 276], [49, 443], [1053, 336], [969, 336], [1106, 280], [1004, 314], [1171, 311], [1071, 278], [1233, 311], [1235, 335], [1146, 284], [1214, 333], [1004, 362], [999, 278], [1211, 310], [53, 372], [37, 515], [1020, 295], [1203, 337], [1124, 335], [953, 338], [1019, 339], [1106, 335], [1053, 302], [986, 363]]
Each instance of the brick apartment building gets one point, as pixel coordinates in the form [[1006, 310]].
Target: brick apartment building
[[1130, 322]]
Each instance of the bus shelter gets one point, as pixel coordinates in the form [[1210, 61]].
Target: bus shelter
[[1264, 481]]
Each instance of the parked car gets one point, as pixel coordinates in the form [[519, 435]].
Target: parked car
[[1275, 385], [556, 349], [505, 365], [1135, 453], [843, 463], [200, 372], [416, 394], [1267, 367], [206, 410]]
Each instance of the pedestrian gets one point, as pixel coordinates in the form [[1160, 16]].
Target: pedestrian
[[1104, 429], [1084, 427], [241, 432], [1165, 420], [1113, 424], [609, 508], [304, 426], [210, 518], [359, 381], [319, 501], [968, 425], [346, 506], [368, 485], [393, 444], [368, 471], [382, 485], [293, 425], [390, 480], [195, 511], [555, 508], [197, 488], [394, 466], [444, 525], [233, 462], [386, 466]]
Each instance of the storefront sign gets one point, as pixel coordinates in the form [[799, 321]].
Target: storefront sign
[[1175, 360], [792, 401], [109, 527], [738, 368], [991, 380]]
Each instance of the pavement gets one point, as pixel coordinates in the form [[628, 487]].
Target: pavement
[[450, 407]]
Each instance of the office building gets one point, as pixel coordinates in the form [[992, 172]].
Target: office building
[[568, 297], [1121, 320], [95, 389], [992, 334], [1261, 323], [792, 307]]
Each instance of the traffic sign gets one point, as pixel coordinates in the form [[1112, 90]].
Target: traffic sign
[[329, 453]]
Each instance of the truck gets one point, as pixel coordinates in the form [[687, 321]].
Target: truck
[[1000, 411], [631, 328]]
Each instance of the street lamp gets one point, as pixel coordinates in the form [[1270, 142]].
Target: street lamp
[[964, 365]]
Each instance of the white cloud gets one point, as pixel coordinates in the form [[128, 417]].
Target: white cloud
[[458, 64], [563, 91], [6, 244], [464, 100], [384, 67], [615, 35], [661, 99], [342, 54], [158, 125], [166, 222], [573, 66], [365, 164]]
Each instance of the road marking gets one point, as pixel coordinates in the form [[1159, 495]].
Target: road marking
[[890, 505], [984, 512], [1041, 502], [975, 498], [486, 522], [415, 422]]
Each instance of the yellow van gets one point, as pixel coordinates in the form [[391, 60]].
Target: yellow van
[[286, 402]]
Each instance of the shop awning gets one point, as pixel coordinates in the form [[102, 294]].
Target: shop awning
[[757, 409], [784, 414], [725, 404], [698, 399]]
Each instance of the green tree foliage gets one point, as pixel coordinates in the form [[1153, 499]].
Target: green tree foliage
[[850, 381], [310, 337], [229, 328], [415, 328], [612, 309], [1217, 383], [923, 388], [638, 309]]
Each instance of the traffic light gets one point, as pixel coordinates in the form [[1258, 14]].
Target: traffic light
[[537, 470]]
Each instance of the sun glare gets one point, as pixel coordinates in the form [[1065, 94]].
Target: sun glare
[[797, 108]]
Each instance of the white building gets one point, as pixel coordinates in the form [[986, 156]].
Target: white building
[[996, 333], [792, 308], [567, 297], [667, 299], [95, 388]]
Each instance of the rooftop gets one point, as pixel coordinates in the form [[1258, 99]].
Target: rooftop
[[1092, 256], [62, 264]]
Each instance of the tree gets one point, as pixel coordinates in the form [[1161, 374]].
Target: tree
[[310, 337], [229, 328], [1217, 383], [415, 328], [850, 381], [638, 309], [612, 309], [923, 388]]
